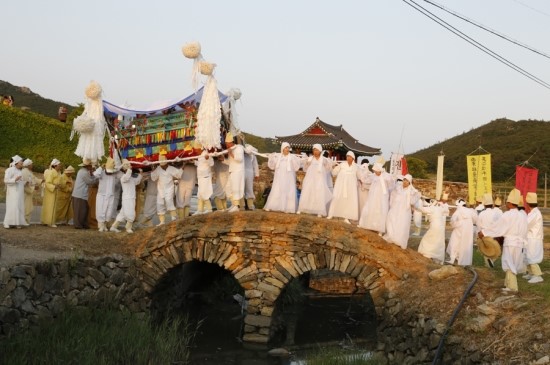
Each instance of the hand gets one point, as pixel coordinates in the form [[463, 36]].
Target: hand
[[18, 178]]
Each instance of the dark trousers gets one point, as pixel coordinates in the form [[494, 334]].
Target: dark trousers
[[80, 211]]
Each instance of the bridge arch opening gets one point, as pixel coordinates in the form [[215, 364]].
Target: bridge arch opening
[[307, 311], [209, 296]]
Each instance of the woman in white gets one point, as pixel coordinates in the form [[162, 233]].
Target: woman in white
[[375, 211], [363, 187], [15, 194], [461, 242], [432, 244], [204, 177], [534, 250], [164, 176], [283, 191], [315, 191], [128, 211], [398, 223], [251, 172], [345, 198]]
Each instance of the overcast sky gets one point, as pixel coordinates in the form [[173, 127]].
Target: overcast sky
[[387, 73]]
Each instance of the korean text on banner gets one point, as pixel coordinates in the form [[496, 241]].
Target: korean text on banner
[[526, 179], [396, 164], [479, 176]]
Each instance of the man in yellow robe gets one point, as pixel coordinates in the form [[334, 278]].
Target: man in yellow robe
[[64, 209], [51, 186]]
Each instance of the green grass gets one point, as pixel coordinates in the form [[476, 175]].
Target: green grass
[[85, 336], [336, 356]]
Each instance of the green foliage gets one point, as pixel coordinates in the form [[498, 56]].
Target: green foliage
[[510, 143], [37, 137], [86, 336], [417, 168], [75, 113], [26, 99]]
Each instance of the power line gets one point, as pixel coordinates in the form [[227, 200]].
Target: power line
[[530, 7], [454, 13], [473, 42]]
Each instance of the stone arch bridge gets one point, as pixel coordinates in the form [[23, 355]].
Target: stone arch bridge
[[265, 250]]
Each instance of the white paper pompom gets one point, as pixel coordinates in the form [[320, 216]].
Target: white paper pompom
[[191, 50], [207, 68], [83, 124], [234, 93], [93, 90]]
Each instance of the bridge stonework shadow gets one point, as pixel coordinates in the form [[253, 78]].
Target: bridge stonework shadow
[[265, 250]]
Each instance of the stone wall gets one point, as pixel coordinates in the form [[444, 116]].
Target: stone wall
[[41, 290]]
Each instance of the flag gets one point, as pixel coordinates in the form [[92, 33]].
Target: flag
[[479, 176], [526, 180], [396, 164], [404, 167]]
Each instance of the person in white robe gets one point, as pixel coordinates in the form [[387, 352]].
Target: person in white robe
[[375, 211], [221, 177], [513, 227], [486, 218], [127, 212], [417, 217], [534, 250], [283, 197], [150, 204], [443, 202], [15, 194], [363, 186], [316, 194], [235, 185], [105, 199], [204, 177], [164, 175], [461, 242], [398, 223], [345, 197], [32, 183], [251, 173], [432, 244], [186, 185]]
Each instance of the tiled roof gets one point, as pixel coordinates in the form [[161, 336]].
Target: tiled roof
[[334, 137]]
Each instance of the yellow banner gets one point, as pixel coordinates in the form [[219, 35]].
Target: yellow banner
[[479, 176]]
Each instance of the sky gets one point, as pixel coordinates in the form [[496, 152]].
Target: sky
[[393, 78]]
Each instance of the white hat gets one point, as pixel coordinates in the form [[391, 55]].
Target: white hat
[[531, 197], [284, 145], [487, 199], [350, 153], [408, 177], [16, 159], [377, 167], [318, 147], [69, 170], [27, 162], [162, 160], [55, 162], [126, 164], [85, 162], [514, 197]]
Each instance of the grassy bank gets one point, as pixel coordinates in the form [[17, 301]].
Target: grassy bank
[[337, 356], [86, 336]]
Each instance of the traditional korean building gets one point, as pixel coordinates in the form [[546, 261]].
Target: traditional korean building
[[334, 139]]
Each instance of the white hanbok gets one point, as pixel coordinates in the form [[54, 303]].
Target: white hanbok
[[363, 186], [128, 183], [398, 222], [534, 250], [186, 184], [345, 197], [432, 244], [221, 176], [461, 242], [283, 191], [251, 171], [375, 211], [316, 193], [204, 177], [15, 198], [165, 187], [105, 195], [235, 185]]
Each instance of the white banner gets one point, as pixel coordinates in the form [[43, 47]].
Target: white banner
[[396, 166], [439, 177]]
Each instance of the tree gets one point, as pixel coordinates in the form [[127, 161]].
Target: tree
[[75, 113], [417, 168]]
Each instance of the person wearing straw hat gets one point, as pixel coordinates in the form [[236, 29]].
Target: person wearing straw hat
[[513, 227], [534, 250], [486, 218], [51, 186], [107, 177], [84, 179], [204, 180], [15, 194], [164, 175], [128, 211], [236, 172], [64, 209], [283, 196], [398, 224], [32, 183], [316, 194], [461, 242], [375, 211]]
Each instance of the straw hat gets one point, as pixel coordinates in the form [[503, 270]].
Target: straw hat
[[110, 165], [27, 162], [229, 137], [69, 170], [514, 197], [489, 247], [531, 198], [487, 199], [86, 162], [162, 160]]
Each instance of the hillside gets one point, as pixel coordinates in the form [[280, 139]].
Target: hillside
[[510, 143], [26, 99]]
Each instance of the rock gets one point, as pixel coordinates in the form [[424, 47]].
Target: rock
[[8, 315], [98, 276], [480, 323], [543, 360], [486, 310], [279, 352], [480, 299], [18, 296], [538, 336], [443, 272], [28, 307], [19, 272]]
